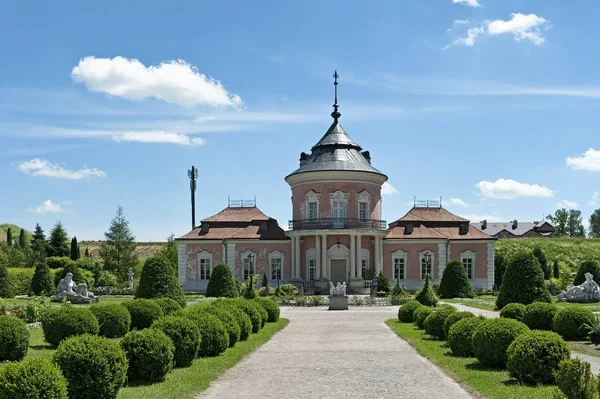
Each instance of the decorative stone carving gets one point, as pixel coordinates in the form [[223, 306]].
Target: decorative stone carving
[[68, 290], [337, 296], [586, 292], [374, 284], [338, 290]]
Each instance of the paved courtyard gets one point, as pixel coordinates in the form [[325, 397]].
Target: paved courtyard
[[344, 354]]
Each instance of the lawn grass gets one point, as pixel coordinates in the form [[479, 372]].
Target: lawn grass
[[585, 347], [485, 302], [481, 381]]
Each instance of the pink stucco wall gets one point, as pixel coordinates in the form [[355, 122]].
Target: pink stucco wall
[[413, 265], [481, 258], [192, 259]]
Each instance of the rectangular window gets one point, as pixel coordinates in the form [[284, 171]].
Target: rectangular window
[[468, 262], [362, 211], [276, 269], [312, 211], [425, 269], [204, 269], [312, 269], [364, 266], [247, 268], [399, 269]]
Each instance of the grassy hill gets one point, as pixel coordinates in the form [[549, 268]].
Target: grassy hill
[[16, 230], [144, 250], [574, 250]]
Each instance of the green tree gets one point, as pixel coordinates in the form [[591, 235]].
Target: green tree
[[559, 220], [574, 224], [87, 252], [523, 281], [41, 283], [595, 224], [38, 243], [455, 282], [158, 281], [541, 257], [499, 268], [555, 270], [221, 283], [74, 249], [58, 243], [22, 240], [170, 253], [4, 281], [9, 240], [118, 249]]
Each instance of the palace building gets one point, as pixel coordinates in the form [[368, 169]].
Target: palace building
[[336, 233]]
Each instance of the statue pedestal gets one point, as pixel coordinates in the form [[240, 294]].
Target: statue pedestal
[[338, 302]]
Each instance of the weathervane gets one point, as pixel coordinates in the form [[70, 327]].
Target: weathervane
[[335, 114]]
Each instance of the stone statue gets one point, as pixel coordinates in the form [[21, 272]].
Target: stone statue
[[586, 292], [374, 284], [130, 277], [68, 290], [337, 296], [339, 290]]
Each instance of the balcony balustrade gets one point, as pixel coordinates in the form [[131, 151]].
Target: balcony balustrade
[[337, 223]]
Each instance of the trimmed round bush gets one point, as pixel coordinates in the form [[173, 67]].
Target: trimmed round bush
[[114, 320], [455, 282], [434, 323], [215, 338], [406, 311], [264, 316], [242, 318], [590, 266], [168, 305], [513, 311], [184, 334], [492, 338], [575, 379], [32, 379], [523, 281], [14, 338], [159, 281], [426, 296], [568, 322], [420, 315], [453, 318], [149, 353], [59, 323], [95, 367], [460, 336], [143, 312], [41, 283], [270, 307], [253, 311], [539, 316], [228, 319], [534, 356], [221, 283]]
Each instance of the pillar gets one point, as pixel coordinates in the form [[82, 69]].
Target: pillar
[[318, 260], [297, 255], [324, 255], [352, 255], [378, 265], [358, 256], [292, 256]]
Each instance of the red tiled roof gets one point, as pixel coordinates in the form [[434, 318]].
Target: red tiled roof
[[235, 214], [430, 215], [423, 232]]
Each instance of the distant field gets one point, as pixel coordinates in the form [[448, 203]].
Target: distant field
[[144, 249], [16, 230], [575, 250]]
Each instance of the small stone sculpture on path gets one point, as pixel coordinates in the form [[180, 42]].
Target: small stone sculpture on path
[[72, 292], [586, 292], [339, 290], [130, 277], [337, 296]]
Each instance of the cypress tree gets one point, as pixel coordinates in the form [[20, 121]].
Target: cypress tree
[[74, 249], [555, 270], [523, 281], [22, 239], [87, 252], [265, 281], [9, 237], [541, 257], [158, 281], [221, 283], [41, 283], [58, 242], [455, 282]]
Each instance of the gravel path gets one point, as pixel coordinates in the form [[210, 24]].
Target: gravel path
[[343, 354]]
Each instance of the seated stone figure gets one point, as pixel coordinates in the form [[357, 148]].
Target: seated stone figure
[[589, 291], [68, 290], [339, 290]]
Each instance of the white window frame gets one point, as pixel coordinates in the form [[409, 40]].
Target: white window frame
[[399, 255], [311, 256], [204, 256], [311, 197], [276, 255], [244, 258], [422, 260], [468, 254], [363, 198], [339, 196], [311, 266], [364, 257]]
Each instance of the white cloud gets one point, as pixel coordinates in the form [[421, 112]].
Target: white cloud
[[49, 206], [470, 3], [460, 22], [159, 137], [521, 26], [590, 160], [511, 189], [388, 189], [458, 201], [594, 200], [175, 81], [566, 204], [42, 167]]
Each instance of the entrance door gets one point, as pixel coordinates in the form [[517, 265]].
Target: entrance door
[[338, 271], [339, 213]]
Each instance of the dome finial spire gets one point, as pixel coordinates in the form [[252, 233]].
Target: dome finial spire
[[335, 114]]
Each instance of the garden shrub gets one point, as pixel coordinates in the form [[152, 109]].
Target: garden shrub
[[568, 322], [229, 321], [264, 316], [406, 311], [453, 318], [221, 283], [253, 311], [315, 300], [262, 291], [14, 338], [32, 379], [513, 311], [79, 275], [215, 338], [168, 305], [590, 266], [500, 262], [270, 307], [106, 279], [241, 317], [95, 367], [534, 356], [159, 281], [5, 288], [59, 323], [41, 282], [184, 334], [455, 282], [539, 316], [249, 290], [420, 315], [383, 283], [523, 281], [149, 354], [434, 323], [143, 312], [288, 289], [114, 320], [541, 257], [58, 262], [492, 338], [460, 336], [20, 280], [426, 296], [575, 380]]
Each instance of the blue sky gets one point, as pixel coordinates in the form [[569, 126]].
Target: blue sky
[[491, 104]]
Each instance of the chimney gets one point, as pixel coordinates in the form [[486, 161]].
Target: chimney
[[484, 225], [515, 224], [367, 156], [303, 158]]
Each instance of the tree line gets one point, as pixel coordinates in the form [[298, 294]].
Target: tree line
[[569, 223]]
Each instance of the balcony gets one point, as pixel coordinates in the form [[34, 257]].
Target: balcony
[[337, 223]]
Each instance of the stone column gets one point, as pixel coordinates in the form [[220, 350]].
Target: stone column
[[324, 256], [352, 255], [358, 256], [297, 261], [318, 249], [380, 253], [377, 255], [292, 256]]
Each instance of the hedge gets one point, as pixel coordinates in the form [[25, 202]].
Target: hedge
[[460, 336], [32, 379], [270, 307], [14, 338], [59, 323], [453, 318], [492, 338], [569, 321], [513, 311], [406, 311], [539, 316], [114, 320], [420, 315], [168, 305], [241, 316], [143, 312], [184, 334], [253, 311], [215, 338], [434, 323], [149, 353], [590, 266]]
